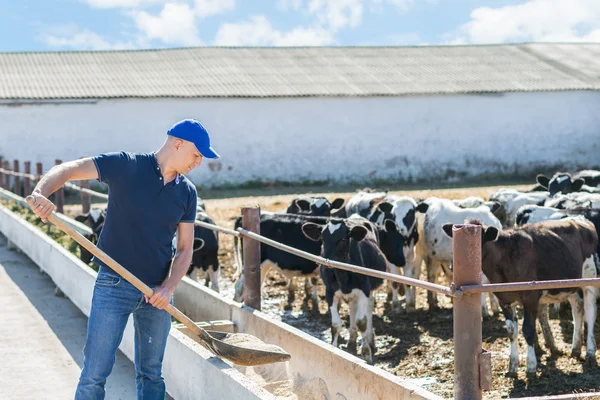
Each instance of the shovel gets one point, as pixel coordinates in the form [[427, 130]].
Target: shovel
[[240, 348]]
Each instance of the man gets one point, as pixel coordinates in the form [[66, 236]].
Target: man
[[149, 200]]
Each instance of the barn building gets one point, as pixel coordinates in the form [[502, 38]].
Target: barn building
[[315, 114]]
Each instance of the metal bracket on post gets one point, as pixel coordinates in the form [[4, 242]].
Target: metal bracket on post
[[251, 258], [485, 369], [466, 247]]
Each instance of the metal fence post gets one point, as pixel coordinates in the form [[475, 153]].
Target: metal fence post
[[1, 174], [60, 195], [17, 179], [27, 180], [251, 258], [467, 312]]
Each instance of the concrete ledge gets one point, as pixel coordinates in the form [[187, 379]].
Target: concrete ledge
[[190, 371]]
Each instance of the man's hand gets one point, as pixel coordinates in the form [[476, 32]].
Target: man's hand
[[161, 297], [42, 207]]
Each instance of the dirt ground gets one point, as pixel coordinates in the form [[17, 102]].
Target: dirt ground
[[417, 346]]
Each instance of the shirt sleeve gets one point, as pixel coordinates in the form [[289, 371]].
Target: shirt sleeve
[[111, 166], [190, 212]]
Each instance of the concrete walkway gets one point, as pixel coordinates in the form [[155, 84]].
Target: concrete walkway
[[42, 337]]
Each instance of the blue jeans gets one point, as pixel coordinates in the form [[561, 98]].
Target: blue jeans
[[113, 300]]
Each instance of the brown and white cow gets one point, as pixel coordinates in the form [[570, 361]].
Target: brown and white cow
[[549, 250]]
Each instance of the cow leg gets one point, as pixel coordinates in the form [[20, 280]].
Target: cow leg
[[314, 295], [590, 294], [395, 287], [362, 321], [336, 321], [485, 312], [433, 269], [512, 327], [370, 321], [213, 276], [291, 293], [530, 305], [577, 310], [353, 335], [494, 303], [412, 270], [546, 330]]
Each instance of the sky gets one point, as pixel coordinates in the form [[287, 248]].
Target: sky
[[50, 25]]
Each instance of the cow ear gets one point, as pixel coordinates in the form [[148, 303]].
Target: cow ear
[[358, 233], [303, 205], [385, 207], [81, 217], [542, 180], [337, 203], [490, 234], [198, 244], [448, 229], [339, 213], [422, 207], [312, 231], [390, 225], [494, 206], [577, 184]]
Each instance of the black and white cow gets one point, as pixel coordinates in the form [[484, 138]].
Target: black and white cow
[[205, 259], [565, 183], [312, 205], [287, 229], [435, 248], [379, 207], [94, 219], [549, 250], [511, 200], [353, 241], [574, 201]]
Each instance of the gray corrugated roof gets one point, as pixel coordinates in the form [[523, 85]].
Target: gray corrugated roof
[[299, 71]]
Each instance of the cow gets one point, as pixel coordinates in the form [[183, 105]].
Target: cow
[[574, 201], [549, 250], [312, 205], [352, 240], [205, 258], [565, 183], [94, 219], [511, 200], [287, 229], [378, 207], [435, 248]]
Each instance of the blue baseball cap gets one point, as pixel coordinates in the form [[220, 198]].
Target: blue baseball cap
[[193, 131]]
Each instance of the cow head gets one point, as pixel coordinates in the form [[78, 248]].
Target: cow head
[[561, 182], [392, 243], [315, 206], [335, 237], [93, 219]]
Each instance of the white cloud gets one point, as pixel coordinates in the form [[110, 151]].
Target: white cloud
[[534, 20], [258, 31], [70, 36], [176, 24], [123, 3], [206, 8]]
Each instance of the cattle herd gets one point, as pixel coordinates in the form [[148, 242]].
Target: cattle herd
[[548, 232]]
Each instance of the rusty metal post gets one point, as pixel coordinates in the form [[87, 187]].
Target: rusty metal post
[[7, 176], [17, 179], [466, 246], [251, 258], [60, 195], [27, 180]]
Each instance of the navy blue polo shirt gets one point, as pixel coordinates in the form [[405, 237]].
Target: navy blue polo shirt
[[142, 213]]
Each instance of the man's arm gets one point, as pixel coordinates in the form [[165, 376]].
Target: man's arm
[[181, 263], [55, 178]]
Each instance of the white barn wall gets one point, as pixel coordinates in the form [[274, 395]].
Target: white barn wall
[[339, 139]]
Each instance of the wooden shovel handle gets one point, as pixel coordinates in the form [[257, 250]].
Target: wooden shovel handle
[[79, 238]]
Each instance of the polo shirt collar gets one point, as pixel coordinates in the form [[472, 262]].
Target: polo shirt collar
[[158, 172]]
